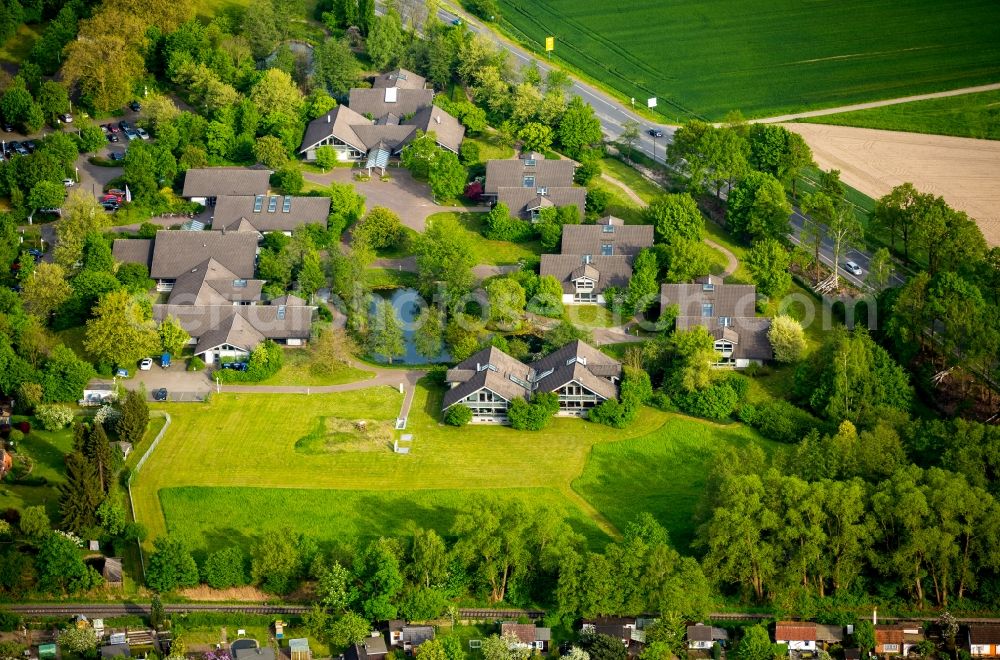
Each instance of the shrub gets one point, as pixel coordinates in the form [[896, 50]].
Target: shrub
[[787, 338], [15, 437], [635, 390], [265, 361], [225, 568], [501, 226], [195, 364], [148, 230], [717, 401], [24, 427], [469, 152], [533, 416], [779, 420], [458, 415], [54, 417]]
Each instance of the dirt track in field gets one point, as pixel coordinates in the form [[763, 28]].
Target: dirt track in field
[[966, 172]]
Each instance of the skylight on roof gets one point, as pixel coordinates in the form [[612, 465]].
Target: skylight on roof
[[239, 284], [529, 162], [608, 229], [286, 205], [258, 203], [390, 94], [272, 204], [281, 312]]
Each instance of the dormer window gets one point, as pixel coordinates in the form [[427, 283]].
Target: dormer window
[[607, 250], [725, 321], [587, 258], [529, 181], [543, 191], [239, 284]]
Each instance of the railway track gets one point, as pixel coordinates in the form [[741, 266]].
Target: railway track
[[123, 609]]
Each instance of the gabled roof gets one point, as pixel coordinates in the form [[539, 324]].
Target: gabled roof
[[211, 283], [726, 299], [611, 271], [699, 633], [217, 181], [520, 200], [829, 633], [392, 136], [492, 369], [234, 331], [448, 131], [795, 631], [984, 633], [401, 78], [589, 239], [525, 632], [396, 100], [270, 321], [889, 635], [416, 635], [340, 123], [579, 362], [510, 173], [133, 251], [176, 252], [284, 213]]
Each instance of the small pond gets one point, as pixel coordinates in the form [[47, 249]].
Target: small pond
[[407, 303]]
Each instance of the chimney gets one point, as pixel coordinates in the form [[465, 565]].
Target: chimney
[[328, 117]]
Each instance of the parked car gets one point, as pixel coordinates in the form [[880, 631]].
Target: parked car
[[112, 137], [121, 373], [69, 183], [160, 394], [146, 364], [21, 149], [110, 206], [104, 129], [165, 361], [30, 146], [66, 118], [134, 106], [235, 366], [655, 132], [124, 125], [853, 269], [117, 156], [112, 198], [131, 134], [8, 127], [113, 129], [142, 133]]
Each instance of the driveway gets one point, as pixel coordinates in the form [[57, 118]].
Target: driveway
[[410, 199], [181, 385]]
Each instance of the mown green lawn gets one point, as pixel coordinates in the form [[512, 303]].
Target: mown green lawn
[[494, 253], [45, 450], [968, 115], [663, 473], [766, 57], [297, 370], [490, 147]]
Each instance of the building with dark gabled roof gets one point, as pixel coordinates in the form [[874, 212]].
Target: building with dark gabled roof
[[174, 253], [594, 257], [267, 213], [203, 185], [796, 635], [727, 311], [489, 381], [528, 635], [401, 78], [531, 183], [983, 640]]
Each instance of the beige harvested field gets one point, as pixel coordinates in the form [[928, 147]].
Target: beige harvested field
[[966, 172]]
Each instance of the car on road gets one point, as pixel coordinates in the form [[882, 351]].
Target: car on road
[[457, 22], [235, 366], [69, 183], [142, 133], [134, 106], [655, 132], [160, 394], [146, 364], [853, 269], [66, 118]]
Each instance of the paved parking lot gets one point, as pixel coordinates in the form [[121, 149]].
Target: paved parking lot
[[181, 385]]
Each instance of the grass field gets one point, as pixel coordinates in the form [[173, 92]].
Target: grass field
[[46, 450], [767, 57], [229, 469], [296, 371], [663, 473], [968, 115], [491, 252]]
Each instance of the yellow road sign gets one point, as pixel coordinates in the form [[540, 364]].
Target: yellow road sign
[[550, 43]]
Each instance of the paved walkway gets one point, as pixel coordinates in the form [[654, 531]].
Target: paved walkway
[[877, 104], [409, 265]]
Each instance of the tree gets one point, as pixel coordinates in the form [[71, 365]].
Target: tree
[[333, 585], [351, 628], [429, 563], [898, 213], [98, 451], [755, 645], [45, 290], [604, 647], [628, 137], [864, 635], [686, 260], [535, 136], [768, 262], [841, 223], [378, 570], [82, 215], [121, 331], [381, 228], [675, 216], [46, 195], [506, 300], [60, 567], [419, 154], [225, 568], [428, 338], [270, 152], [447, 176], [171, 565], [386, 40], [311, 276], [492, 541], [173, 336], [326, 158], [445, 254], [103, 68], [880, 270], [693, 355], [90, 139], [81, 641], [157, 615], [643, 285], [35, 523], [131, 426], [385, 334], [289, 179], [80, 494], [508, 647], [112, 516], [16, 102], [53, 100], [336, 67], [787, 338], [579, 128], [757, 208]]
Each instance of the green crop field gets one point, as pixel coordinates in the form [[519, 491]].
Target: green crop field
[[663, 473], [968, 115], [767, 57], [244, 464]]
